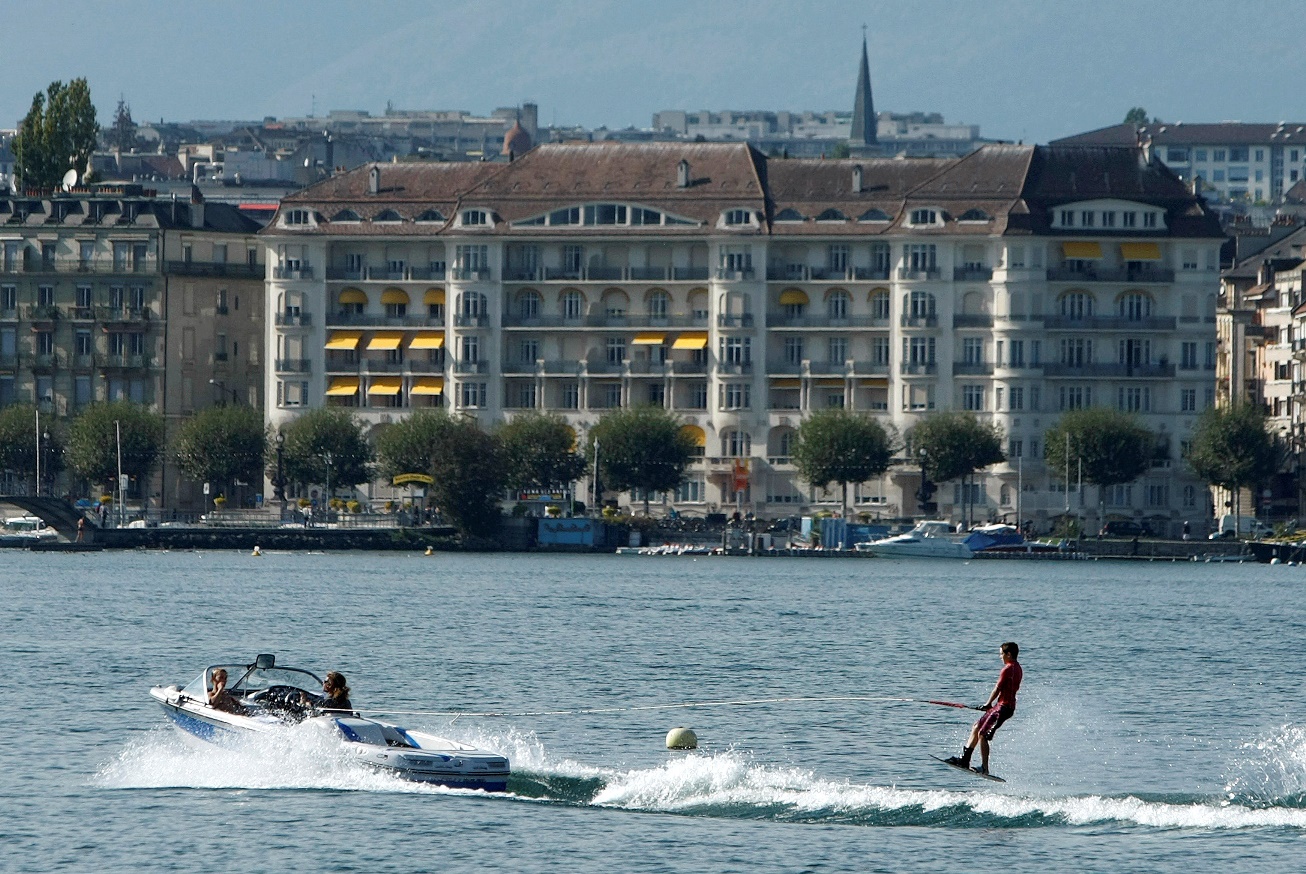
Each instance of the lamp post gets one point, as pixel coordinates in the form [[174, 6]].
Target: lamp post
[[46, 437], [279, 484], [326, 505], [38, 451]]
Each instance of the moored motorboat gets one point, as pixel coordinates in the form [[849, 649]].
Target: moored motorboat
[[268, 697], [930, 538]]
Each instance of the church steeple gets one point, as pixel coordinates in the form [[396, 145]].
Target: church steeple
[[863, 134]]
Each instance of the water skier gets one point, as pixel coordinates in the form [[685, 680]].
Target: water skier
[[997, 710]]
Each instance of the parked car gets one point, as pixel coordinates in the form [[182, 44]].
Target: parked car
[[1245, 527], [1125, 528]]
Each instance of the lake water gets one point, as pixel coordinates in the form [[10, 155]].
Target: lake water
[[1160, 726]]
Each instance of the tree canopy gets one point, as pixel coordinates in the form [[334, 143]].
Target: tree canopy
[[539, 452], [18, 442], [93, 441], [326, 445], [641, 448], [222, 445], [1136, 115], [1113, 446], [59, 132], [1232, 447], [842, 447], [954, 444]]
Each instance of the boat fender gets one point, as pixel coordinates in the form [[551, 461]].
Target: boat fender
[[257, 553], [682, 739], [430, 550]]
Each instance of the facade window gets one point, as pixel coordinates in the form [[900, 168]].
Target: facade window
[[1134, 399], [921, 257], [924, 217], [880, 306], [1076, 397], [1209, 363], [472, 394], [570, 396], [1077, 305], [8, 297], [573, 258], [297, 217], [739, 217], [1035, 404], [528, 305], [972, 350], [658, 304], [837, 350], [1067, 218], [474, 217], [1086, 218], [83, 343], [611, 395], [698, 396], [1017, 398], [657, 394], [573, 305], [1108, 219], [836, 258], [1017, 353], [470, 348], [1135, 307], [1129, 219], [1188, 356], [1076, 352], [735, 396], [736, 259], [45, 343], [972, 397], [921, 305], [1149, 219], [793, 350], [616, 350], [45, 296], [736, 350], [472, 259], [689, 492], [1190, 259], [1188, 400], [880, 351], [836, 305], [736, 443], [919, 350]]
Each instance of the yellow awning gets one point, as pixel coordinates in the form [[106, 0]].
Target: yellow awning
[[433, 295], [343, 387], [344, 339], [829, 383], [385, 385], [1078, 251], [875, 383], [427, 340], [386, 340], [394, 295], [1140, 252], [427, 385], [649, 339], [691, 340], [786, 382], [695, 434], [353, 295], [791, 296]]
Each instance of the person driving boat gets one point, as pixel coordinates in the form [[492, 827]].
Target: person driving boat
[[335, 694]]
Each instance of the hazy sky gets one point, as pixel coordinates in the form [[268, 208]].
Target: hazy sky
[[1021, 69]]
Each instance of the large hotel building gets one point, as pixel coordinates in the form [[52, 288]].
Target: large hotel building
[[743, 292]]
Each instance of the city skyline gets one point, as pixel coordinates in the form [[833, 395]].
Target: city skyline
[[1026, 71]]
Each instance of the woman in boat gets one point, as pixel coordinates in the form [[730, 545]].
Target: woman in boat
[[335, 694], [220, 698]]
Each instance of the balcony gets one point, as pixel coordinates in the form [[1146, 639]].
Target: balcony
[[1109, 323], [471, 274], [1110, 371], [561, 368], [604, 273], [804, 273], [780, 320], [8, 361], [689, 368], [914, 273], [122, 314], [633, 321], [734, 274], [47, 361], [301, 271], [784, 368], [41, 313], [382, 365], [293, 320], [744, 320], [972, 320], [125, 362], [919, 321], [377, 320], [827, 368], [871, 368], [82, 314], [480, 320], [972, 368], [605, 367], [471, 367], [79, 265], [293, 365], [1111, 274], [644, 367], [84, 361], [741, 368], [972, 273], [214, 268], [9, 314], [912, 368], [518, 368]]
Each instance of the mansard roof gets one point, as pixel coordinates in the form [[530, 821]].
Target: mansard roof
[[1182, 134]]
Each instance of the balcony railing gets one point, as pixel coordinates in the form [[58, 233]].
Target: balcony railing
[[871, 368], [972, 273], [1110, 371], [41, 312], [639, 321], [1111, 274], [780, 320], [126, 362], [303, 271], [804, 273], [690, 368], [734, 274], [294, 320], [480, 320], [235, 270], [738, 369], [80, 265], [972, 368], [470, 274], [377, 320], [972, 320], [919, 369], [471, 366], [604, 273], [1109, 323], [918, 273], [744, 320], [919, 321], [123, 314], [293, 365]]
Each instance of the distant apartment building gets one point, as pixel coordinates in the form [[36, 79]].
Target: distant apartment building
[[100, 300], [743, 293], [1228, 161]]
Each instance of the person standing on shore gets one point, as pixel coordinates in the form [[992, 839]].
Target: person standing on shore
[[998, 709]]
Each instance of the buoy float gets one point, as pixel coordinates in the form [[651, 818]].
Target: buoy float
[[682, 739], [430, 550], [257, 553]]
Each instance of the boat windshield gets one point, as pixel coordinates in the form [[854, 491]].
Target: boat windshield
[[244, 679]]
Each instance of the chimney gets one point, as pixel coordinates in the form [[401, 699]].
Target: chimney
[[196, 207], [682, 174], [374, 180], [1265, 275], [857, 179]]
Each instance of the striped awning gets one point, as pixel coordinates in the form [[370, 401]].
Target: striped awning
[[427, 340], [878, 382], [652, 339], [792, 296], [1140, 252], [433, 296], [344, 339], [691, 340], [386, 340], [385, 385], [353, 295], [1081, 251], [427, 385], [343, 386], [394, 295]]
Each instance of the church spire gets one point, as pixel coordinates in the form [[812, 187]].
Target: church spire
[[864, 125]]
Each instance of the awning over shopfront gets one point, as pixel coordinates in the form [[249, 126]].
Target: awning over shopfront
[[1084, 251]]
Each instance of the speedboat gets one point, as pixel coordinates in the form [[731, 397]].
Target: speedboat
[[929, 539], [272, 697]]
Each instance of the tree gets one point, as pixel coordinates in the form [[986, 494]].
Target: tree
[[18, 443], [841, 150], [1233, 448], [93, 441], [222, 445], [539, 452], [59, 132], [1108, 446], [327, 446], [1136, 116], [466, 464], [641, 449], [841, 446], [953, 445]]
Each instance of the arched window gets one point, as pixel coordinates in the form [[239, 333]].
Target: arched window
[[974, 215], [473, 303], [785, 445], [431, 215], [387, 215], [789, 215], [616, 303], [1135, 306], [1077, 305], [831, 215], [736, 443], [346, 215], [528, 304], [921, 305], [836, 304], [658, 303], [880, 304], [873, 215], [573, 304]]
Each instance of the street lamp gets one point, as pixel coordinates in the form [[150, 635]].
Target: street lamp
[[326, 508], [279, 484], [46, 437]]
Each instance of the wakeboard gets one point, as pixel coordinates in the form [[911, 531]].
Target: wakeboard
[[971, 771]]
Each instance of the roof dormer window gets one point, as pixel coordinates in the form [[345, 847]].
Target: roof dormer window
[[873, 215], [296, 218], [736, 217], [789, 215], [346, 215], [431, 215], [387, 215], [924, 218], [831, 215], [473, 218]]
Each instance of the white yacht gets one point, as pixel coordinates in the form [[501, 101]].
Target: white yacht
[[269, 697], [929, 539]]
